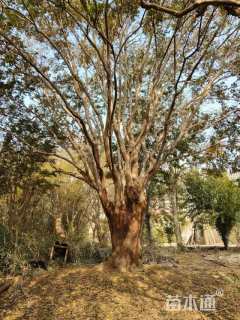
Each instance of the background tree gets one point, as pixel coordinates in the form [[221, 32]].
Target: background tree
[[168, 183], [217, 196], [22, 172], [224, 146]]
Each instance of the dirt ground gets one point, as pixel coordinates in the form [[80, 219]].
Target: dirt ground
[[88, 293]]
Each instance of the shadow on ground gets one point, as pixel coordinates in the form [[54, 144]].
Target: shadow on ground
[[88, 293]]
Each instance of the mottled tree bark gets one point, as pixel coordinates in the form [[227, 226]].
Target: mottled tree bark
[[125, 224]]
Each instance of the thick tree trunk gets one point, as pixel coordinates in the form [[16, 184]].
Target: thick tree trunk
[[125, 226]]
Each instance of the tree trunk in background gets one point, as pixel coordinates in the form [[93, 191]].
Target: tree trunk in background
[[174, 207], [224, 227], [147, 221], [177, 230], [59, 229], [225, 239]]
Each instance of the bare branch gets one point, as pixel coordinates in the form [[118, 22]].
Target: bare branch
[[231, 6]]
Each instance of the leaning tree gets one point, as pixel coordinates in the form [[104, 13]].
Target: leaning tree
[[123, 87]]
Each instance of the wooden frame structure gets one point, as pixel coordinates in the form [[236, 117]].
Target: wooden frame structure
[[61, 246]]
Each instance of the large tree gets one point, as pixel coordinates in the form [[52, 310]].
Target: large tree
[[126, 86]]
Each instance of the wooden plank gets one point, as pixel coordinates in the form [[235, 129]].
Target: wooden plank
[[66, 254], [51, 253], [60, 246]]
